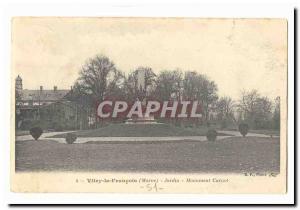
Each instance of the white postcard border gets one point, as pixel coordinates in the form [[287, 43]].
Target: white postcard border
[[193, 10]]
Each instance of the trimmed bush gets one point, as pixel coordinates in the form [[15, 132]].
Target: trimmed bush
[[71, 138], [36, 132], [243, 128], [211, 135]]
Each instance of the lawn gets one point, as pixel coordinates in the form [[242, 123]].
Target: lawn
[[139, 130], [21, 133], [234, 154]]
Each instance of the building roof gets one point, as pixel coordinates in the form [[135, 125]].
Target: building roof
[[43, 95]]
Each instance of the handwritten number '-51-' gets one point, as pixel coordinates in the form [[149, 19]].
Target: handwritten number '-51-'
[[153, 187]]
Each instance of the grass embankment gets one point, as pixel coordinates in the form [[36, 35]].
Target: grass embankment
[[139, 130], [266, 132], [234, 155]]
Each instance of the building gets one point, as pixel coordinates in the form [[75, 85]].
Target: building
[[47, 107]]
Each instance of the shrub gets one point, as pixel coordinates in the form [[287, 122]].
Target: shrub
[[211, 135], [36, 132], [71, 138], [243, 128]]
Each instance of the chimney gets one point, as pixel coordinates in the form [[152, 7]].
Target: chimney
[[41, 88], [55, 88]]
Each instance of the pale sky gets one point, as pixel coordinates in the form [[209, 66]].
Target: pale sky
[[237, 54]]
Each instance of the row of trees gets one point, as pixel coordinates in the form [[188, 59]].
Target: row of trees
[[256, 110], [100, 79]]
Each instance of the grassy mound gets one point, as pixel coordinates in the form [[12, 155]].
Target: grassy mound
[[137, 130]]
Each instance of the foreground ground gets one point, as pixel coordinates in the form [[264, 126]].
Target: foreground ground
[[234, 154]]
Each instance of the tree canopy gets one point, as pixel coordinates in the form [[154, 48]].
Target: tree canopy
[[99, 78]]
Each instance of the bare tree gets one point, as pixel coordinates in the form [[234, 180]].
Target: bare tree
[[276, 114], [99, 77], [169, 85], [255, 109], [199, 87], [225, 110]]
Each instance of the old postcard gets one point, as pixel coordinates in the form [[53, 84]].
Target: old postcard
[[149, 105]]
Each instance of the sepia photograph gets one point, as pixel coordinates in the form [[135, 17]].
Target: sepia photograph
[[170, 96]]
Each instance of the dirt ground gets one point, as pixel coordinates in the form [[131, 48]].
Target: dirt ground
[[234, 154]]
